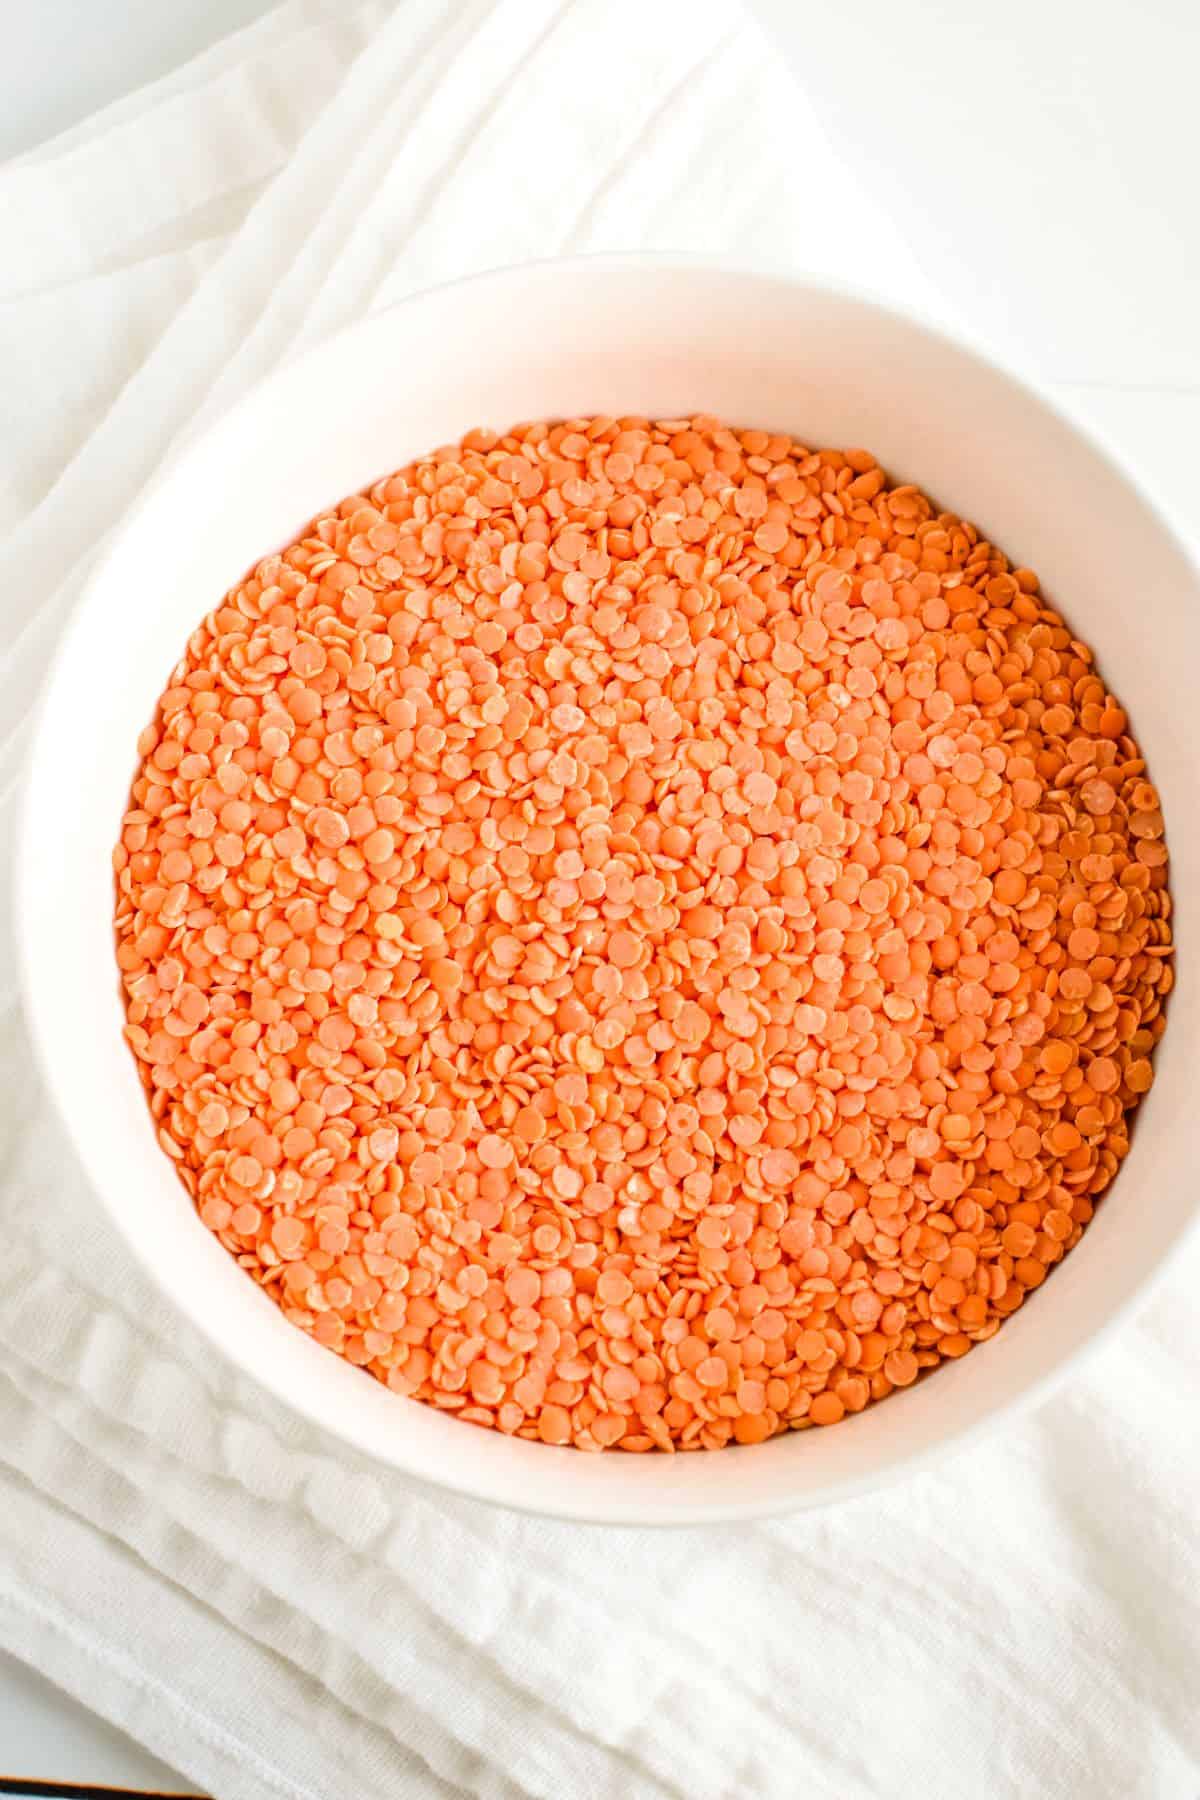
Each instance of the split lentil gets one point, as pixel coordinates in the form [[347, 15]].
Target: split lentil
[[642, 935]]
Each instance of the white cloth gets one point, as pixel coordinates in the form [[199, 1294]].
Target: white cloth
[[274, 1617]]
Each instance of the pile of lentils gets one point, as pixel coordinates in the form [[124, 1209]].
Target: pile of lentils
[[642, 935]]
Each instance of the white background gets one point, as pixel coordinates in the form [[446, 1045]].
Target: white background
[[64, 59], [45, 1736]]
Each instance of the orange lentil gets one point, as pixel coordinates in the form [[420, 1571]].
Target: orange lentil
[[645, 934]]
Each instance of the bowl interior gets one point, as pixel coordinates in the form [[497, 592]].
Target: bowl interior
[[623, 337]]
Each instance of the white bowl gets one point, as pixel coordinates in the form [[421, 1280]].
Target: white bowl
[[649, 336]]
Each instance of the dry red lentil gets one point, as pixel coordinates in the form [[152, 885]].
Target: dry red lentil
[[642, 935]]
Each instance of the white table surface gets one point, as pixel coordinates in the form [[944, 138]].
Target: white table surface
[[64, 60], [45, 1736]]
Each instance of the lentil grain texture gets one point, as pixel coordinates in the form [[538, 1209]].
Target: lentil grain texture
[[642, 935]]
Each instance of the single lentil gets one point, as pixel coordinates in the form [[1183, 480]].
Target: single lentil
[[642, 934]]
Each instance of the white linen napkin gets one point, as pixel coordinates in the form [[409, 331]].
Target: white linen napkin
[[273, 1616]]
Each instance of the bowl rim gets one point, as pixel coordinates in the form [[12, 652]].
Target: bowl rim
[[664, 1511]]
